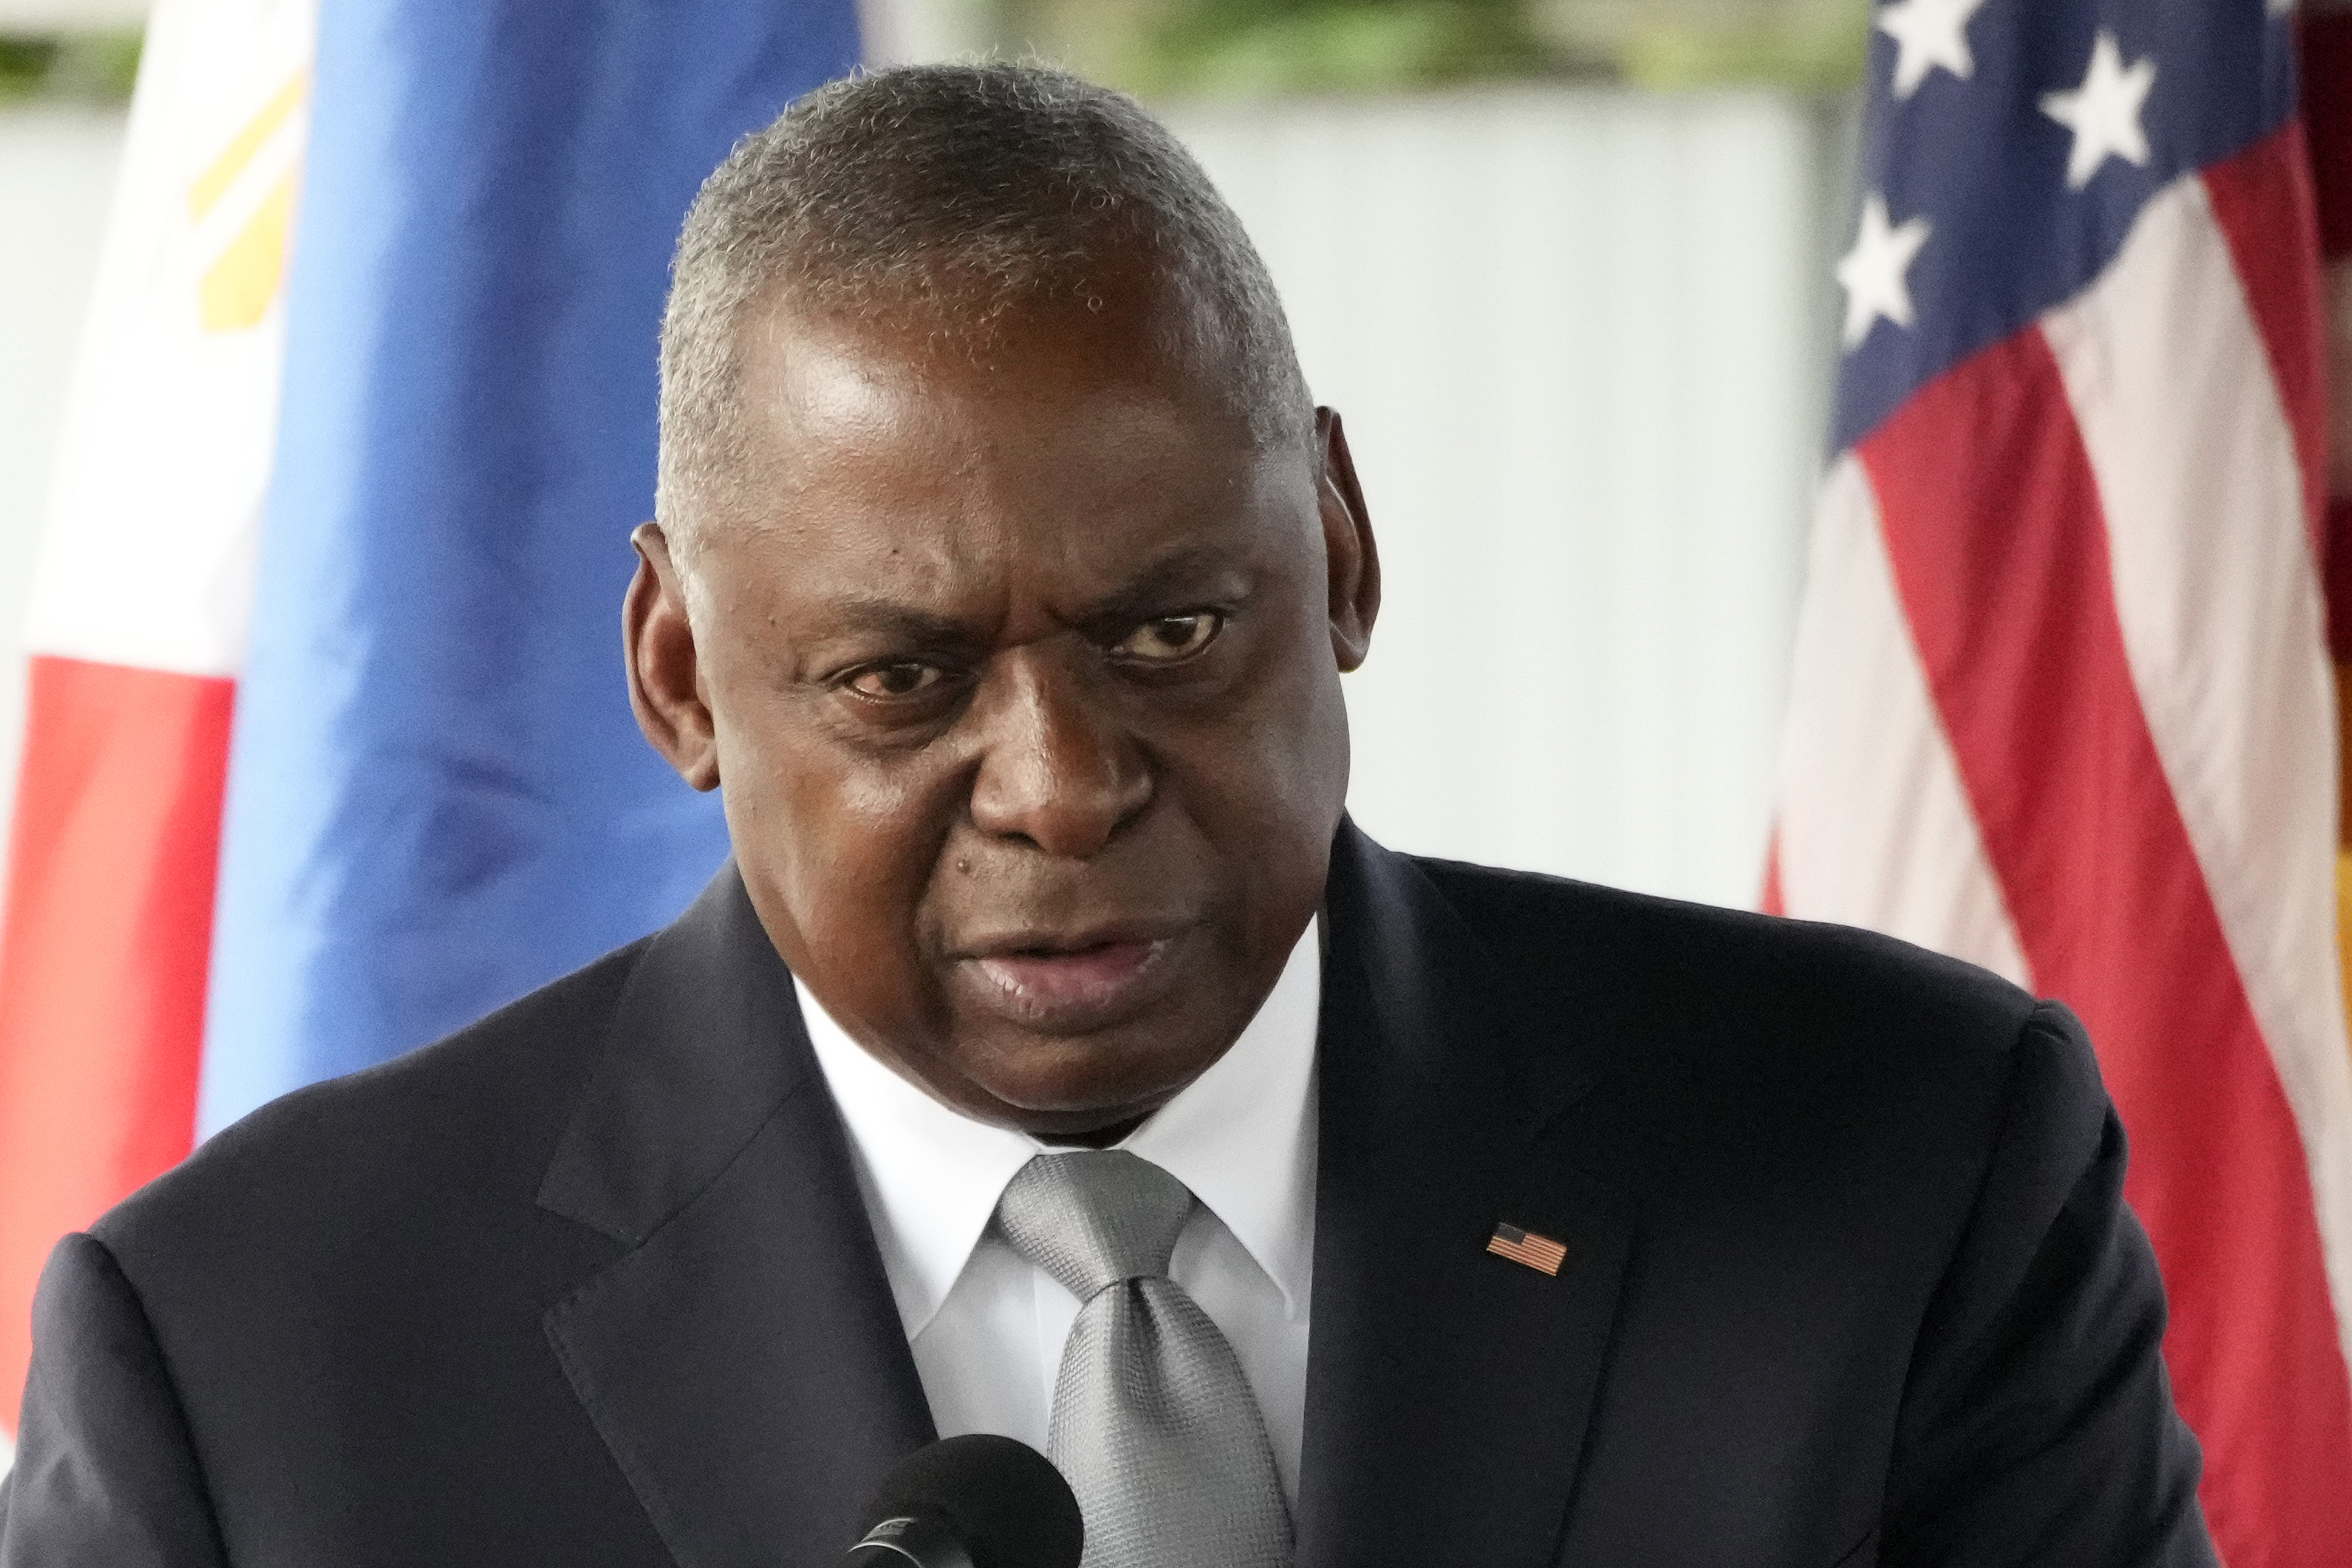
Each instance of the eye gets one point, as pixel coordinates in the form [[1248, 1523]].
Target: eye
[[886, 681], [1171, 637]]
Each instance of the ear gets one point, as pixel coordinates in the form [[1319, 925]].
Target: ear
[[665, 673], [1352, 557]]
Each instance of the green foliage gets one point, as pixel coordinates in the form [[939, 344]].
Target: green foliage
[[1227, 49], [1249, 48], [84, 67], [1820, 47]]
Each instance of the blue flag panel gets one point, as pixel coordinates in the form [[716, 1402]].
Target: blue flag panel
[[1982, 159], [437, 798]]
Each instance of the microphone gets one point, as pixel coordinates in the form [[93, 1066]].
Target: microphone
[[975, 1501]]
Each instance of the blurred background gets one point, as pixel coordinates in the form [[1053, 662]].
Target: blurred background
[[330, 749], [1562, 265]]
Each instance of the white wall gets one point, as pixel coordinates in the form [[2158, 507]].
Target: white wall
[[1575, 336]]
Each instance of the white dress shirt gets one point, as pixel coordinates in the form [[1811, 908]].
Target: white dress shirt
[[987, 1327]]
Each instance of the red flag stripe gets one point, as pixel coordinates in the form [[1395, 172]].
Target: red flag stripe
[[1997, 535], [104, 952], [2262, 201], [2194, 458]]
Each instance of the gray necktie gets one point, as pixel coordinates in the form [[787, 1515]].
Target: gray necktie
[[1154, 1423]]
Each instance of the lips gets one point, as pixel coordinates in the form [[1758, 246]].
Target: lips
[[1072, 984]]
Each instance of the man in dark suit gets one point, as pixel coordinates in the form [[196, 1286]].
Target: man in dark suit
[[1054, 1057]]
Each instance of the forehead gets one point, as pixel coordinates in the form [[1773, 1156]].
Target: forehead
[[897, 458]]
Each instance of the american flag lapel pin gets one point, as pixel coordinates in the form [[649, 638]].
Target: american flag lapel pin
[[1540, 1253]]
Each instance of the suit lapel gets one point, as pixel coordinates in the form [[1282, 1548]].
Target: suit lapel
[[743, 1361], [1448, 1389]]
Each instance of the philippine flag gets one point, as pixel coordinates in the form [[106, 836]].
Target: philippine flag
[[328, 749]]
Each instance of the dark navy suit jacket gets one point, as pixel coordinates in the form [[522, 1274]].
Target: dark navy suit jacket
[[1849, 1279]]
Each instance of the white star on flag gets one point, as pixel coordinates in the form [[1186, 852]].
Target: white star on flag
[[1875, 274], [1928, 33], [2103, 112]]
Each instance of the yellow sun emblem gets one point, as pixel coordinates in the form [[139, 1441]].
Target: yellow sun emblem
[[242, 278]]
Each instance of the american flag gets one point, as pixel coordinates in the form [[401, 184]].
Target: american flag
[[1538, 1251], [2061, 701]]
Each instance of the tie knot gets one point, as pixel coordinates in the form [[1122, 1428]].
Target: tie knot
[[1094, 1217]]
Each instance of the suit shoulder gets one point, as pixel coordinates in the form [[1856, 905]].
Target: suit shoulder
[[1702, 960], [1844, 1082], [481, 1108]]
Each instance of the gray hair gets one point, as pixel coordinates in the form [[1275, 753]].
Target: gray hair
[[959, 191]]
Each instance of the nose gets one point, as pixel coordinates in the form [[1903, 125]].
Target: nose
[[1057, 768]]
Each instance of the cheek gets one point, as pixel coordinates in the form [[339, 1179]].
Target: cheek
[[1277, 753], [841, 846], [1264, 779]]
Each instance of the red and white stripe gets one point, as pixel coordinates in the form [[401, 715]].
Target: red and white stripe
[[137, 628], [2062, 707]]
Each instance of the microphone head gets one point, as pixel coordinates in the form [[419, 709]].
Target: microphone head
[[1002, 1501]]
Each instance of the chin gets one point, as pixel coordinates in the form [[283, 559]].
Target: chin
[[1062, 1085]]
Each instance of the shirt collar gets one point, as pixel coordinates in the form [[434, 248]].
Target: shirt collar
[[1242, 1136]]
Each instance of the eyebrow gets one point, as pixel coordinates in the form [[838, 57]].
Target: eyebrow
[[888, 621], [1174, 576], [1180, 573]]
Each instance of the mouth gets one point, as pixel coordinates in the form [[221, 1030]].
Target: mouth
[[1072, 983]]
